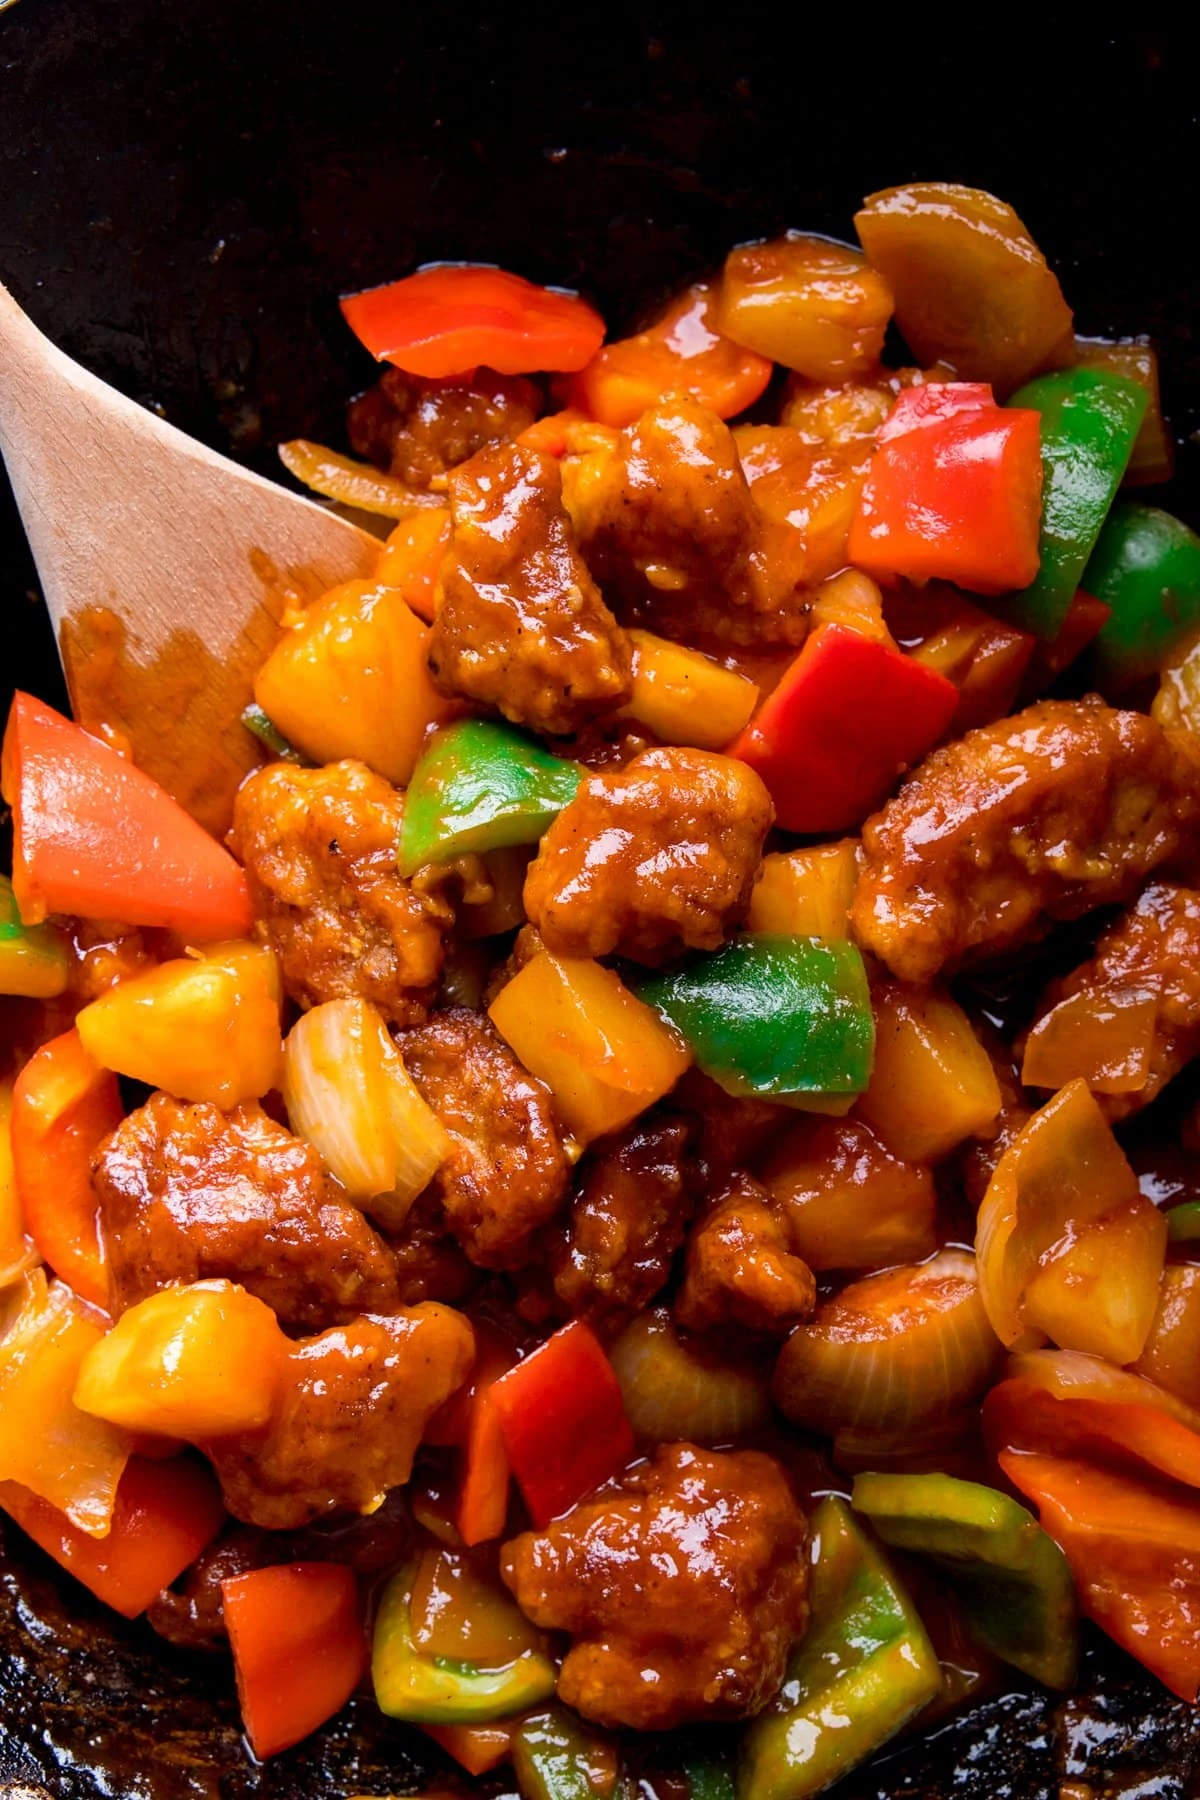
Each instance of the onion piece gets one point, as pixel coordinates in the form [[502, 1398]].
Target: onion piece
[[890, 1352], [1071, 1375], [358, 484], [1099, 1292], [950, 1445], [1104, 1036], [47, 1443], [349, 1095], [18, 1252], [1171, 1354], [1080, 1406], [1063, 1171], [675, 1392], [20, 1303]]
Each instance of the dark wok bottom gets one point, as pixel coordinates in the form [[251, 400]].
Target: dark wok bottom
[[91, 1706]]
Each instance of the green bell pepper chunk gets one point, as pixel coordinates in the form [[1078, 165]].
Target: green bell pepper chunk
[[1146, 567], [710, 1777], [433, 1690], [33, 958], [556, 1756], [865, 1667], [481, 786], [258, 725], [1090, 420], [776, 1017], [1013, 1580], [1183, 1222]]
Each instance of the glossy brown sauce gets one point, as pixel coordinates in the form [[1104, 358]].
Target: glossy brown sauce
[[177, 711]]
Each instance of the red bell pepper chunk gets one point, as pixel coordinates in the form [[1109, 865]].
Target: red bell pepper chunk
[[165, 1514], [931, 403], [849, 716], [95, 836], [63, 1105], [470, 1421], [447, 320], [683, 352], [1086, 617], [495, 1353], [1019, 1415], [299, 1648], [563, 1421], [1134, 1550], [482, 1505], [476, 1748], [954, 492]]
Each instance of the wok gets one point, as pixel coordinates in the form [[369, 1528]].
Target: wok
[[184, 190]]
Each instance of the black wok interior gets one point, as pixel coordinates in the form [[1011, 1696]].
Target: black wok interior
[[185, 188]]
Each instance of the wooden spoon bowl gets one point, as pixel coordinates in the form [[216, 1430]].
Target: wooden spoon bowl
[[165, 566]]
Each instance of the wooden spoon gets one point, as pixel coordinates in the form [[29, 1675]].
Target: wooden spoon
[[165, 566]]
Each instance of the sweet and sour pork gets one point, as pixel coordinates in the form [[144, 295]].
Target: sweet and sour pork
[[1065, 807], [683, 1589]]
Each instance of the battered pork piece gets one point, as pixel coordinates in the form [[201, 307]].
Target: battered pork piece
[[735, 1129], [740, 1269], [1155, 947], [319, 846], [430, 1265], [350, 1420], [1065, 807], [521, 624], [105, 953], [669, 527], [628, 1219], [507, 1171], [419, 429], [189, 1193], [684, 1587], [658, 856]]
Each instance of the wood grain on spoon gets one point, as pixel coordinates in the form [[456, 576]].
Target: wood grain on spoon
[[164, 565]]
